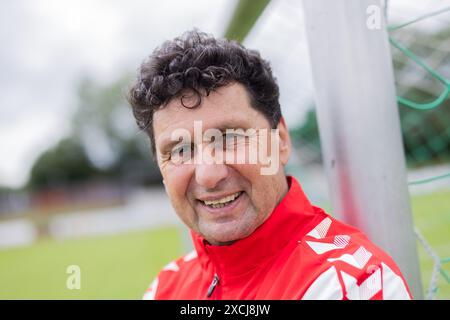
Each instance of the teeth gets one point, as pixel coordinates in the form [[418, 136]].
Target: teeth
[[219, 203]]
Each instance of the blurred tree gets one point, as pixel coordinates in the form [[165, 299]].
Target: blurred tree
[[105, 125], [306, 141], [105, 143], [65, 163], [307, 132]]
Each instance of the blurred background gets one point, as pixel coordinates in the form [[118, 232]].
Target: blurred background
[[77, 182]]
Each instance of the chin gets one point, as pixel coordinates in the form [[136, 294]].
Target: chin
[[221, 239], [221, 236]]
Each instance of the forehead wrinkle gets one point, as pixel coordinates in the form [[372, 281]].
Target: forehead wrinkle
[[217, 122], [220, 125], [211, 112]]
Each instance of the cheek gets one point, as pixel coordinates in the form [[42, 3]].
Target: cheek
[[262, 188], [251, 177], [176, 181]]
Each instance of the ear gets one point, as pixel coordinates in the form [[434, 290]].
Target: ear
[[285, 142]]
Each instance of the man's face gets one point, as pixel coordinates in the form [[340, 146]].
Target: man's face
[[223, 201]]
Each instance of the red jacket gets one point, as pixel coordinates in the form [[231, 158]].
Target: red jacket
[[299, 252]]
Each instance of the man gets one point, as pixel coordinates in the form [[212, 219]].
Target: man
[[211, 109]]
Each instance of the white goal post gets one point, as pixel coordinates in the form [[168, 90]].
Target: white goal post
[[359, 125]]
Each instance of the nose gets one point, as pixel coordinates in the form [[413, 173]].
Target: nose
[[210, 175]]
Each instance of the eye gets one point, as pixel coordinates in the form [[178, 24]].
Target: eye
[[229, 137], [233, 138], [182, 153]]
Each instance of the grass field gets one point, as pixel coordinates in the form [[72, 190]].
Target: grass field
[[122, 266], [432, 218], [112, 267]]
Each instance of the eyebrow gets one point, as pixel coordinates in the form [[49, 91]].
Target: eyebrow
[[168, 146]]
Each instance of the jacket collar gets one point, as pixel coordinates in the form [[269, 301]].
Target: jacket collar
[[290, 218]]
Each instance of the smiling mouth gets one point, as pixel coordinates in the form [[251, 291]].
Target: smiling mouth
[[223, 202]]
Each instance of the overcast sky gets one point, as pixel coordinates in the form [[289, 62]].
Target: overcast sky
[[47, 45]]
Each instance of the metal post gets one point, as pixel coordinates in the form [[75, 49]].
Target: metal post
[[359, 126]]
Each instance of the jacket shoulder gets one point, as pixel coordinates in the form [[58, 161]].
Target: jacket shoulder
[[345, 264], [172, 276]]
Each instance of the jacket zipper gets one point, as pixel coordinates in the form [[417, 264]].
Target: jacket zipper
[[213, 285]]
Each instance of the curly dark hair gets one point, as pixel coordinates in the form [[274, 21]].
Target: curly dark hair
[[198, 63]]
